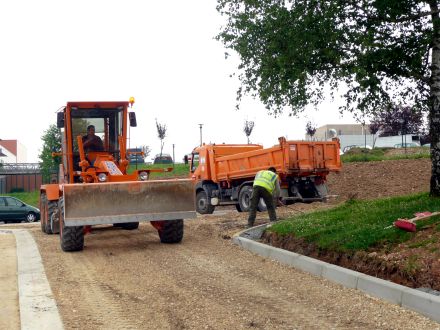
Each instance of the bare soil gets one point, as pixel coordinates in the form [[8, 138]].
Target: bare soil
[[415, 263]]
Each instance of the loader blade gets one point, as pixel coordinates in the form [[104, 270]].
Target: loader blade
[[106, 203]]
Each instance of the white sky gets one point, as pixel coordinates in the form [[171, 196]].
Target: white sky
[[161, 52]]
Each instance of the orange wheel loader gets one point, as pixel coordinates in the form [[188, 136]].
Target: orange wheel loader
[[94, 187]]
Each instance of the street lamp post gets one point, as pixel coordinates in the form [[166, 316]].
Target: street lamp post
[[200, 125], [173, 156]]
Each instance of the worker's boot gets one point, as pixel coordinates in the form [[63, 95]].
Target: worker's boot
[[250, 224], [272, 215]]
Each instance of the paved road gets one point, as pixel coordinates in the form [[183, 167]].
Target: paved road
[[128, 280]]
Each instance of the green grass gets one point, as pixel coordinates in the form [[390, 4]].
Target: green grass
[[31, 198], [358, 225], [179, 170], [379, 154]]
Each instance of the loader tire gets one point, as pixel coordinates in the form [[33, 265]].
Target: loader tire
[[128, 225], [202, 203], [48, 208], [71, 238], [171, 231]]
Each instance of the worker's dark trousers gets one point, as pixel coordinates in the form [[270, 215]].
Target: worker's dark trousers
[[257, 193]]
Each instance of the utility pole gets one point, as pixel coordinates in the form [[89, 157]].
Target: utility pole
[[200, 125], [173, 156]]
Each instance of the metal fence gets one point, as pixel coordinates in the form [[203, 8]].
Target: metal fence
[[25, 177]]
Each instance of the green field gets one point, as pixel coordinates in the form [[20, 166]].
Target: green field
[[179, 170], [31, 198], [358, 225], [379, 154]]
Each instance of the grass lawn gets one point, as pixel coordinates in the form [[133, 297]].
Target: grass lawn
[[179, 170], [358, 225], [378, 154], [31, 198]]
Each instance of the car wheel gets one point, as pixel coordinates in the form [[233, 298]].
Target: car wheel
[[31, 217]]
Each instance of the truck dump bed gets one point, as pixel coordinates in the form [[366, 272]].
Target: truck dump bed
[[299, 158]]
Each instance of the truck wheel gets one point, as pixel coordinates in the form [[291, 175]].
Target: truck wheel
[[237, 206], [71, 238], [244, 198], [261, 207], [53, 223], [128, 225], [169, 231], [202, 203]]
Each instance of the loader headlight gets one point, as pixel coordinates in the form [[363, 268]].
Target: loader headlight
[[102, 177], [143, 176]]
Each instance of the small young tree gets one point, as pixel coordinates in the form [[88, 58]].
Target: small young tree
[[310, 129], [146, 150], [161, 133], [374, 129], [248, 127], [398, 119], [51, 143]]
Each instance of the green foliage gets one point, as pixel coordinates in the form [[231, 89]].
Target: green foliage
[[290, 50], [51, 143], [358, 225]]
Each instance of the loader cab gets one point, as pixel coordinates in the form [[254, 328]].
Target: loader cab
[[109, 120]]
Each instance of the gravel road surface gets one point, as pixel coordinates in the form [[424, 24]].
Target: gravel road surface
[[128, 280]]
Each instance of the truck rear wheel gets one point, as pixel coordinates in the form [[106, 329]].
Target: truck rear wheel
[[71, 238], [47, 211], [202, 203], [170, 231], [244, 198]]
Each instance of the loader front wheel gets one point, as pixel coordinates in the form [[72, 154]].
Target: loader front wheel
[[169, 231], [71, 238], [202, 203]]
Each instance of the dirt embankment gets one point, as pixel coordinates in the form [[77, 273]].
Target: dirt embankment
[[415, 263]]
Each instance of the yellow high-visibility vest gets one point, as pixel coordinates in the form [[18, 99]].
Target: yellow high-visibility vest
[[266, 179]]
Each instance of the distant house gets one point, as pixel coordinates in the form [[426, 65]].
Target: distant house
[[358, 135], [13, 151]]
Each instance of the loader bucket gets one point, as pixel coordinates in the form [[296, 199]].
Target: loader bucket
[[119, 202]]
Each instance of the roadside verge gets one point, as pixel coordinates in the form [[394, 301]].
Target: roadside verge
[[419, 301], [38, 309]]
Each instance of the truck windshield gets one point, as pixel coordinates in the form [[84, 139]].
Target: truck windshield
[[194, 161], [108, 126]]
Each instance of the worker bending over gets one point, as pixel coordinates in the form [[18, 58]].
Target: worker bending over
[[266, 186]]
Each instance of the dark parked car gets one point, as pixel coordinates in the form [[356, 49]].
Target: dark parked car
[[164, 159], [13, 209], [135, 158]]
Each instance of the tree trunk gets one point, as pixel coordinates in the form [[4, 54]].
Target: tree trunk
[[434, 111]]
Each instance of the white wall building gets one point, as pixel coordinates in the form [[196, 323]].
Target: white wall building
[[15, 151]]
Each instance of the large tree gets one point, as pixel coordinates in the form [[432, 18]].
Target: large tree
[[379, 51]]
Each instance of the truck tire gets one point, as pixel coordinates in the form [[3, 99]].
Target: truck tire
[[128, 225], [170, 231], [71, 238], [202, 203], [237, 206], [244, 198], [261, 207]]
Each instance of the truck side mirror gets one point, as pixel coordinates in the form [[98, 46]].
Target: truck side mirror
[[132, 118], [60, 119]]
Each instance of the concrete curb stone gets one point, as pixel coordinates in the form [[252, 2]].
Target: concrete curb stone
[[38, 309], [424, 303]]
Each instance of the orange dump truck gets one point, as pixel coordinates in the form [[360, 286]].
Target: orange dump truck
[[224, 173]]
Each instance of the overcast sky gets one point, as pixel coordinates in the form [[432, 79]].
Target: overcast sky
[[161, 52]]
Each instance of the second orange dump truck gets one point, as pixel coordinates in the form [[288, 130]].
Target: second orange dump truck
[[224, 173]]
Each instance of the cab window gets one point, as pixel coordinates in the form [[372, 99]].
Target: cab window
[[194, 161]]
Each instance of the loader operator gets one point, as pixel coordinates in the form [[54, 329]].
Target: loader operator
[[91, 142], [266, 186]]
